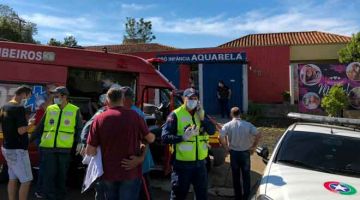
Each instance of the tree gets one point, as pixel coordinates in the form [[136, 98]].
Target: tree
[[335, 101], [54, 42], [138, 30], [14, 28], [69, 41], [351, 53]]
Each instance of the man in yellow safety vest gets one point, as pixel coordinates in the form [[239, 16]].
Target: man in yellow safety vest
[[60, 129], [187, 129]]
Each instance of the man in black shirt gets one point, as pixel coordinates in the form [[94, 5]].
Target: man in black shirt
[[15, 144], [224, 95]]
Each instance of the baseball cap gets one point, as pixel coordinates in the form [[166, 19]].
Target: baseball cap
[[190, 92], [61, 90]]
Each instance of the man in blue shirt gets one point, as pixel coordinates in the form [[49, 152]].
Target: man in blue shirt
[[146, 158]]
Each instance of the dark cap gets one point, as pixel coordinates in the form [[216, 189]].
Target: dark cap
[[61, 90], [190, 92]]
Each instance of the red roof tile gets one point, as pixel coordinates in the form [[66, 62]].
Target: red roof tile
[[132, 48], [287, 38]]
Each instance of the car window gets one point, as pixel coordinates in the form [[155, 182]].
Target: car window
[[324, 152]]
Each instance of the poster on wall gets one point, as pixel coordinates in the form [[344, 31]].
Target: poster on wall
[[316, 80]]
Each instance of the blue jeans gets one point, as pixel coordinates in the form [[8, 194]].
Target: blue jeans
[[122, 190], [183, 175], [240, 167]]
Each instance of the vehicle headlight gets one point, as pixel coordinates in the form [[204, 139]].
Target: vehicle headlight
[[263, 197]]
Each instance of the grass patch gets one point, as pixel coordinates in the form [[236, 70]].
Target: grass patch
[[270, 136]]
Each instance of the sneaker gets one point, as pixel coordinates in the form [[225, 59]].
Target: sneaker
[[39, 195]]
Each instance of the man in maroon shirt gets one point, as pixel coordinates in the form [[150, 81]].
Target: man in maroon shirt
[[118, 132]]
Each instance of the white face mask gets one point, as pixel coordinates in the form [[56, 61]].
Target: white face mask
[[191, 104], [57, 101], [23, 102]]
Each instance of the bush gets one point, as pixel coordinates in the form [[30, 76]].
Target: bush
[[351, 53], [254, 112], [335, 101]]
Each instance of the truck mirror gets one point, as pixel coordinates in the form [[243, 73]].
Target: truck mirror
[[263, 152]]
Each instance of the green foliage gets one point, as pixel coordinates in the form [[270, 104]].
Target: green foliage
[[335, 101], [254, 112], [351, 53], [69, 41], [139, 30], [54, 42], [14, 28]]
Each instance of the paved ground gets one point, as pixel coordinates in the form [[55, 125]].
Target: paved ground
[[219, 184]]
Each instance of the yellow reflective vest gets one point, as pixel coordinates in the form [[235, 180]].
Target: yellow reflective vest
[[59, 127], [196, 148]]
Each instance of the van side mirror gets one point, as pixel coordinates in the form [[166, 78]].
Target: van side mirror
[[263, 152]]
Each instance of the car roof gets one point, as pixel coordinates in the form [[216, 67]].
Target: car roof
[[326, 129]]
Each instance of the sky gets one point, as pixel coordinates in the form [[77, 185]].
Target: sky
[[185, 23]]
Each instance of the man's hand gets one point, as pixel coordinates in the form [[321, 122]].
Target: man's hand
[[252, 150], [227, 150], [22, 130], [189, 132], [90, 150], [132, 162], [80, 149], [201, 113]]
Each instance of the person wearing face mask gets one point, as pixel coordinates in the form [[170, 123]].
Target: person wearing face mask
[[59, 130], [15, 144], [187, 129]]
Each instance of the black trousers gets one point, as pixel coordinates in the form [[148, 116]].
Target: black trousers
[[55, 172], [240, 166]]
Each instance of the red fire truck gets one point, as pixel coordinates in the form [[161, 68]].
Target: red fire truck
[[82, 72]]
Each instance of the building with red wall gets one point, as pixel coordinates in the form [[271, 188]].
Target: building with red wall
[[267, 66], [270, 59]]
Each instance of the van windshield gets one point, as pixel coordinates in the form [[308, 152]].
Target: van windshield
[[323, 152]]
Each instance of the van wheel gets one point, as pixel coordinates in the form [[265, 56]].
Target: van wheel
[[4, 176]]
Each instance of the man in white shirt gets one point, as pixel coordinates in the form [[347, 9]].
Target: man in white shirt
[[240, 139]]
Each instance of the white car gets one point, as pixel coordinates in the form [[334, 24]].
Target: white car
[[313, 161]]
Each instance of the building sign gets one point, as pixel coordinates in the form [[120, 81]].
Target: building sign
[[204, 57], [22, 54], [315, 81]]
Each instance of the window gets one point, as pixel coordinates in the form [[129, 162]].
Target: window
[[329, 153]]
